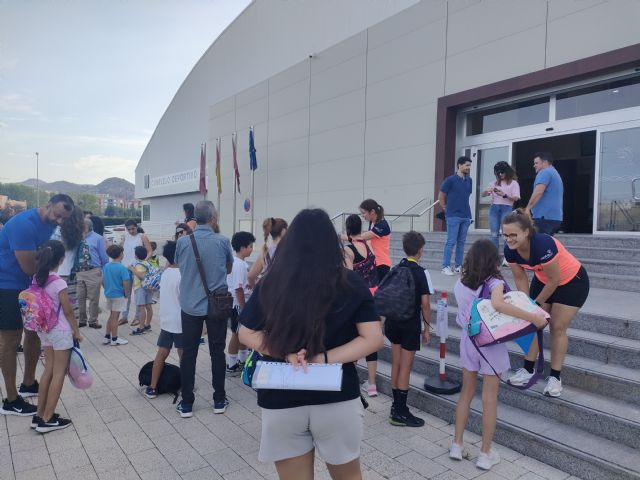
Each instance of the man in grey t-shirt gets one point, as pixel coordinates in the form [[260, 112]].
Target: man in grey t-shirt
[[217, 260]]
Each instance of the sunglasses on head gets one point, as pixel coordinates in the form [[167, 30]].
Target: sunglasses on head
[[179, 232]]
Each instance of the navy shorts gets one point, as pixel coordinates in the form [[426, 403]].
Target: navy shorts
[[169, 339], [10, 317]]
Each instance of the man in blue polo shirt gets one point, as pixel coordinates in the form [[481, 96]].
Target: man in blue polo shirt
[[545, 204], [19, 240], [454, 200]]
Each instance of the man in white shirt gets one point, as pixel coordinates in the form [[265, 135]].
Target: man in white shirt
[[238, 283]]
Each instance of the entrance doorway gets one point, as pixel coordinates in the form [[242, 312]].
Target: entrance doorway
[[575, 159]]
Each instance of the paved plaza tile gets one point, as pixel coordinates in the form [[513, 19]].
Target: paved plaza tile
[[118, 433]]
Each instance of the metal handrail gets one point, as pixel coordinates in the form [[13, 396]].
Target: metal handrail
[[395, 216]]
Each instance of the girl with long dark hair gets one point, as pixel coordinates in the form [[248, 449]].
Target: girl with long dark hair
[[504, 192], [560, 285], [359, 258], [310, 308], [57, 342], [482, 266]]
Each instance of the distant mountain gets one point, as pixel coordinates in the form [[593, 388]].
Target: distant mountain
[[116, 187]]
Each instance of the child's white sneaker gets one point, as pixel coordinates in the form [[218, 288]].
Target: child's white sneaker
[[553, 388], [455, 451], [106, 340], [119, 341], [486, 461]]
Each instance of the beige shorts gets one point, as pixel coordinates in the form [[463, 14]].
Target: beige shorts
[[56, 339], [334, 429], [117, 304]]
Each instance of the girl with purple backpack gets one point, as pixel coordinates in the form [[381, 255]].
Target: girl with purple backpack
[[482, 266], [57, 341]]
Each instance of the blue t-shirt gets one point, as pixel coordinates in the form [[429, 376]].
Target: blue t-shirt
[[549, 206], [458, 190], [24, 232], [113, 274]]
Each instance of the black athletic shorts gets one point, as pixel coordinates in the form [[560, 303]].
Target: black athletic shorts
[[233, 321], [10, 317], [574, 293], [404, 334]]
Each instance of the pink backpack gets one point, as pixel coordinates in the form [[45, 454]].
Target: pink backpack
[[36, 306]]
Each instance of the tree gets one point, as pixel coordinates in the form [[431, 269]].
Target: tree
[[86, 201], [23, 193]]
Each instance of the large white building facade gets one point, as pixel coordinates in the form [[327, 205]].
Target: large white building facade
[[377, 98]]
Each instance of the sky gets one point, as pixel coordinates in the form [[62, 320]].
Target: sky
[[85, 82]]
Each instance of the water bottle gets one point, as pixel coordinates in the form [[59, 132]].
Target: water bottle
[[442, 317]]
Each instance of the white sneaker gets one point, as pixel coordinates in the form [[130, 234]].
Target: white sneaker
[[458, 270], [370, 389], [455, 451], [553, 388], [119, 341], [504, 262], [521, 377], [485, 462], [106, 341], [448, 271]]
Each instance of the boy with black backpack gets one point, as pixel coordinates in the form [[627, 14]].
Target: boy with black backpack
[[403, 325]]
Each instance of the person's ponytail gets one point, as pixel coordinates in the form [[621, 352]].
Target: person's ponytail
[[48, 257]]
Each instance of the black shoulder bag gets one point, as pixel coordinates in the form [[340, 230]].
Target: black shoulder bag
[[220, 301]]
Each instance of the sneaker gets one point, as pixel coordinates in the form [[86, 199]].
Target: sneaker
[[185, 409], [151, 392], [106, 340], [20, 349], [553, 388], [118, 341], [82, 324], [95, 325], [458, 270], [26, 392], [201, 340], [521, 377], [123, 321], [236, 370], [406, 419], [504, 262], [370, 389], [137, 331], [455, 451], [18, 407], [147, 328], [221, 406], [485, 462], [448, 271], [35, 420], [55, 423]]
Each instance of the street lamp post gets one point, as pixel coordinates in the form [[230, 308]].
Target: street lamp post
[[37, 181]]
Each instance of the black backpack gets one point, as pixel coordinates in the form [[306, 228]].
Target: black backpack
[[169, 381], [396, 295]]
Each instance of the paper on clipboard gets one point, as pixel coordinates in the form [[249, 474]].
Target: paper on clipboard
[[282, 376]]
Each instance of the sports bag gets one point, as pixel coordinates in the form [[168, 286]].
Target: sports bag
[[169, 381], [78, 370], [37, 308], [151, 280], [396, 295], [488, 327], [250, 367]]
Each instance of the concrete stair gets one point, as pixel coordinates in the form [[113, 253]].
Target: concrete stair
[[593, 429]]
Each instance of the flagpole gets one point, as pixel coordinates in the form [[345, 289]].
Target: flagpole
[[235, 182], [253, 183], [217, 178]]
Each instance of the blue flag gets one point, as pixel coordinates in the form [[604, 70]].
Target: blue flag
[[253, 161]]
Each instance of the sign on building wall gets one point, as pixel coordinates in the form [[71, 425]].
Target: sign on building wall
[[174, 178]]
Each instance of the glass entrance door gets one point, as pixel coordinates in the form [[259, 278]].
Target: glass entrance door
[[619, 181], [484, 158]]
